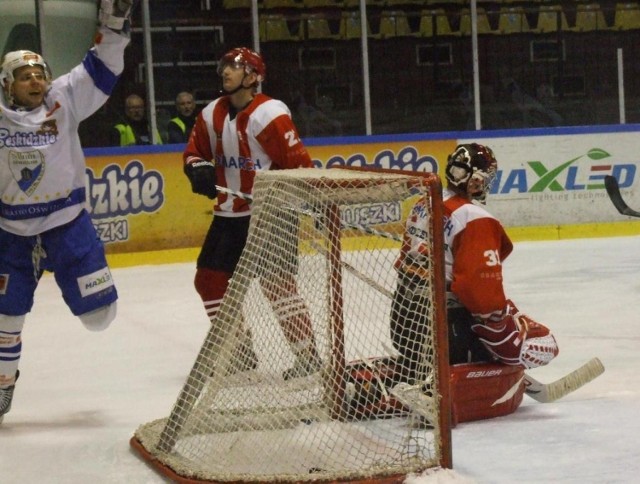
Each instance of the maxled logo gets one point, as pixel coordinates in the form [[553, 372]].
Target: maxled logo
[[572, 175], [95, 282]]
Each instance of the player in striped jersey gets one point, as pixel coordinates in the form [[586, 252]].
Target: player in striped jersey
[[236, 135]]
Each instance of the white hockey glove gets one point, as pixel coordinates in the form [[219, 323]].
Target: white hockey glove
[[116, 14]]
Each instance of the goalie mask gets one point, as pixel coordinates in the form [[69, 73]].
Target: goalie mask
[[242, 57], [13, 61], [471, 169]]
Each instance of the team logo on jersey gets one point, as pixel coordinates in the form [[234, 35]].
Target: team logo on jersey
[[4, 283], [27, 168], [49, 127]]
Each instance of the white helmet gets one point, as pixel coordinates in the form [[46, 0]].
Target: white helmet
[[16, 59]]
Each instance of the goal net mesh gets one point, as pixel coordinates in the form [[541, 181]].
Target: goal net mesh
[[316, 277]]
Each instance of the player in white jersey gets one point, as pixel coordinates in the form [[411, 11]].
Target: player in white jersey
[[43, 221], [234, 136]]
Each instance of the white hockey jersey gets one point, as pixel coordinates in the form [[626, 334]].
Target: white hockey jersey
[[42, 166]]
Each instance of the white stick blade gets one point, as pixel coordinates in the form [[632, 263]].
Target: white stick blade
[[570, 383]]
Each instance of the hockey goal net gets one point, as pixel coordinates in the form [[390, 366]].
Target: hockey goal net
[[330, 238]]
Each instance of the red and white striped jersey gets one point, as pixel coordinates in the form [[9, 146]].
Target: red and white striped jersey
[[475, 246], [262, 136]]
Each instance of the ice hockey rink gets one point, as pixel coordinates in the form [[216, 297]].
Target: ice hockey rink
[[81, 395]]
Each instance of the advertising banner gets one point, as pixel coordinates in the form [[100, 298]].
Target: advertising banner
[[142, 201], [559, 179]]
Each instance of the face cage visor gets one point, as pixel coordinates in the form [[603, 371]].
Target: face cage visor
[[479, 184]]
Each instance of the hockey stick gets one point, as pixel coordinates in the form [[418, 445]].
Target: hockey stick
[[228, 191], [413, 398], [363, 277], [549, 392], [613, 190]]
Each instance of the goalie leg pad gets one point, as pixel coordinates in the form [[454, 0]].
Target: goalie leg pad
[[408, 324], [485, 390]]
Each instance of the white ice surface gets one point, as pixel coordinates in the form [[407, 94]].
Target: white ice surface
[[81, 394]]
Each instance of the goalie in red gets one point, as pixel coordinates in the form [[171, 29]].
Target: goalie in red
[[234, 136], [490, 341]]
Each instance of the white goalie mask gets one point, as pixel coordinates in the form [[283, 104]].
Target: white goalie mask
[[15, 60]]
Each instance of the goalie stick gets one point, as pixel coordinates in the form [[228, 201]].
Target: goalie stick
[[413, 398], [613, 190], [549, 392]]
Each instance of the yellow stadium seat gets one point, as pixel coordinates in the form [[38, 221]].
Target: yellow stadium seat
[[627, 16], [394, 23], [434, 23], [397, 3], [229, 4], [316, 26], [322, 3], [589, 17], [351, 26], [282, 4], [551, 18], [483, 21], [512, 20], [274, 27], [356, 3]]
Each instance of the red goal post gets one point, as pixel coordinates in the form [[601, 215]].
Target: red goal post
[[336, 234]]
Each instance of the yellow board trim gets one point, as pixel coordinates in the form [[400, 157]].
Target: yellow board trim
[[517, 234], [582, 231]]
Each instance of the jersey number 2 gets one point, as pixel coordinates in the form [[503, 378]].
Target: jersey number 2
[[291, 137]]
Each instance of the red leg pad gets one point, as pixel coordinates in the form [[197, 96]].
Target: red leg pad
[[485, 390]]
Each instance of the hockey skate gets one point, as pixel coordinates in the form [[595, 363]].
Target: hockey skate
[[6, 396], [303, 366], [367, 384], [418, 399], [244, 359]]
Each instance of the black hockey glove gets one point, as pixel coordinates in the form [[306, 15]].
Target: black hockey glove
[[202, 175]]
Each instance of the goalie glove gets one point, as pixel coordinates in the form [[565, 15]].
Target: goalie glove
[[516, 339], [116, 14], [202, 175]]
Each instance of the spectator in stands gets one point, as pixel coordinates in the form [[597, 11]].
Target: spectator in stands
[[533, 113], [315, 121], [179, 128], [134, 130]]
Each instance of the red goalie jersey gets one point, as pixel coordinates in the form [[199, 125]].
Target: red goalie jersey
[[475, 246], [486, 329]]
